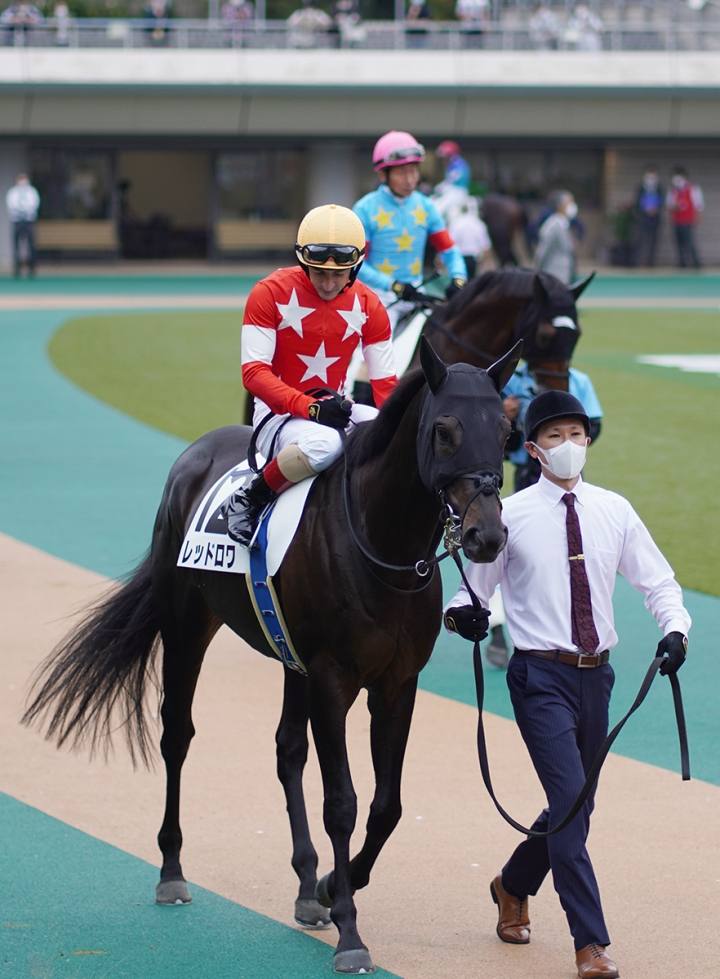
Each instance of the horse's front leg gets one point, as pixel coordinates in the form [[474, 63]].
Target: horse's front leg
[[292, 750], [389, 730], [330, 700]]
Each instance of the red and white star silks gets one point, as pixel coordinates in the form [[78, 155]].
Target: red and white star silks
[[293, 341]]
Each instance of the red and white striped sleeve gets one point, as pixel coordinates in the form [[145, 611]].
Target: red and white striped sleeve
[[259, 341], [378, 352]]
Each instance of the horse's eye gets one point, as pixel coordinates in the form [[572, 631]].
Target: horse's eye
[[443, 434]]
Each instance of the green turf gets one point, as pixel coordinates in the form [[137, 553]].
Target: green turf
[[73, 907], [659, 430], [179, 372]]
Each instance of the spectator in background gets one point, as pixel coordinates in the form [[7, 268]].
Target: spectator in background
[[418, 14], [649, 208], [584, 29], [346, 16], [306, 25], [235, 10], [157, 12], [685, 203], [61, 15], [19, 17], [23, 203], [470, 234], [555, 252], [544, 29], [472, 15]]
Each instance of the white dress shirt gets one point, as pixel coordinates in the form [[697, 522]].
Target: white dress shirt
[[534, 571], [22, 202]]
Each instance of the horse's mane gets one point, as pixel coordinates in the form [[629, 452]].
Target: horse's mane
[[368, 441], [499, 284]]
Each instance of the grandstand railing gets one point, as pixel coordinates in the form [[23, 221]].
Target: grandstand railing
[[505, 35]]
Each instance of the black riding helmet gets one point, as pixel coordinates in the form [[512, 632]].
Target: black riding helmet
[[549, 406]]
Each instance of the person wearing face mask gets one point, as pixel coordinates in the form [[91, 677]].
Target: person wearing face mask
[[649, 209], [685, 203], [555, 252], [566, 541], [23, 203]]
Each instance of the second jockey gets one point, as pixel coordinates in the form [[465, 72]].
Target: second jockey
[[398, 222], [300, 329]]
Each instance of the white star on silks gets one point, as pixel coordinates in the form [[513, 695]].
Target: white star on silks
[[355, 318], [293, 313], [317, 366]]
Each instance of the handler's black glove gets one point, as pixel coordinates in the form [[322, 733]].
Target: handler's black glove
[[404, 290], [334, 414], [455, 286], [674, 646], [469, 622]]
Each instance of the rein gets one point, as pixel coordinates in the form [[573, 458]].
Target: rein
[[452, 526], [597, 764], [460, 343]]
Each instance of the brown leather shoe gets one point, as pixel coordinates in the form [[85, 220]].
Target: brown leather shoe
[[593, 962], [513, 921]]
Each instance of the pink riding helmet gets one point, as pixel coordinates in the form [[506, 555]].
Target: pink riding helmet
[[396, 148], [447, 149]]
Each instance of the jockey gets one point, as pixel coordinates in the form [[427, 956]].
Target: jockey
[[398, 222], [300, 329], [457, 169]]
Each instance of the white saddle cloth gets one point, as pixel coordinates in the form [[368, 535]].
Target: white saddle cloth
[[207, 546]]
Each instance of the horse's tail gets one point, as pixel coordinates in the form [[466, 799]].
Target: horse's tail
[[95, 680]]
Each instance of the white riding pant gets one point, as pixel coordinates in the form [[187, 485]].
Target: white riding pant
[[394, 307], [320, 444]]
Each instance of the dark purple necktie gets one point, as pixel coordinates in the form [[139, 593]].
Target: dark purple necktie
[[584, 633]]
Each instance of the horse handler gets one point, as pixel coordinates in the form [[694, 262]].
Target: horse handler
[[566, 541], [300, 329]]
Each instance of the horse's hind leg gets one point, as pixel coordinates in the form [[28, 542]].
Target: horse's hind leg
[[292, 751], [186, 635]]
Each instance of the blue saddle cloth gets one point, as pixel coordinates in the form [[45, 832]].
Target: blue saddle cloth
[[265, 600]]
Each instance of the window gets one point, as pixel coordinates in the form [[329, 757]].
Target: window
[[72, 185]]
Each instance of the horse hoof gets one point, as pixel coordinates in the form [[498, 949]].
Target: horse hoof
[[356, 962], [322, 894], [310, 915], [172, 892]]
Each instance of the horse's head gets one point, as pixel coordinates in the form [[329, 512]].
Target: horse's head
[[549, 329], [462, 433]]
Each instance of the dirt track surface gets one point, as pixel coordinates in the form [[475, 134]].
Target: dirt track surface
[[427, 913]]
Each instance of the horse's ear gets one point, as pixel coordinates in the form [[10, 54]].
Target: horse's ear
[[539, 291], [502, 370], [579, 287], [433, 368]]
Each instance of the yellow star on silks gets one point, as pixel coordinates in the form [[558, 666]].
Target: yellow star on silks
[[386, 267], [383, 218], [415, 266], [420, 215], [404, 242]]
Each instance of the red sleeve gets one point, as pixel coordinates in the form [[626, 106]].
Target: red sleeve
[[259, 337], [378, 350], [441, 240]]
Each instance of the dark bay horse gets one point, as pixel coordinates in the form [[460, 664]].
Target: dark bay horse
[[499, 308], [358, 610]]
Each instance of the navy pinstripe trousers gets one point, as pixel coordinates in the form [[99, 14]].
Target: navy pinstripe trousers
[[562, 714]]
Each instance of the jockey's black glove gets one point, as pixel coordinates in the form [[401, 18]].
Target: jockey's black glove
[[455, 286], [404, 290], [330, 412], [469, 622], [674, 648]]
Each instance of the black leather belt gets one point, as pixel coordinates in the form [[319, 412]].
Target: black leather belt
[[583, 661]]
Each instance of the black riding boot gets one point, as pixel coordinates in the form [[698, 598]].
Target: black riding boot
[[362, 393], [244, 507]]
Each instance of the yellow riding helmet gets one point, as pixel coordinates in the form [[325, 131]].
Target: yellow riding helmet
[[330, 237]]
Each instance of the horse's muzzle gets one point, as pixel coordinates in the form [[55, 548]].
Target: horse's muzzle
[[482, 544]]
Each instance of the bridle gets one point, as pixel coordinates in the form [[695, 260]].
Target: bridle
[[487, 483]]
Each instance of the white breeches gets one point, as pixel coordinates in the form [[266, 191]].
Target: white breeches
[[393, 306], [320, 445]]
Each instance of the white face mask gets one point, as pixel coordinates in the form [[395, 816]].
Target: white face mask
[[678, 181], [571, 210], [565, 460]]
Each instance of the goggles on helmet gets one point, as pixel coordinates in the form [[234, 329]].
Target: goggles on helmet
[[405, 153], [345, 256]]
